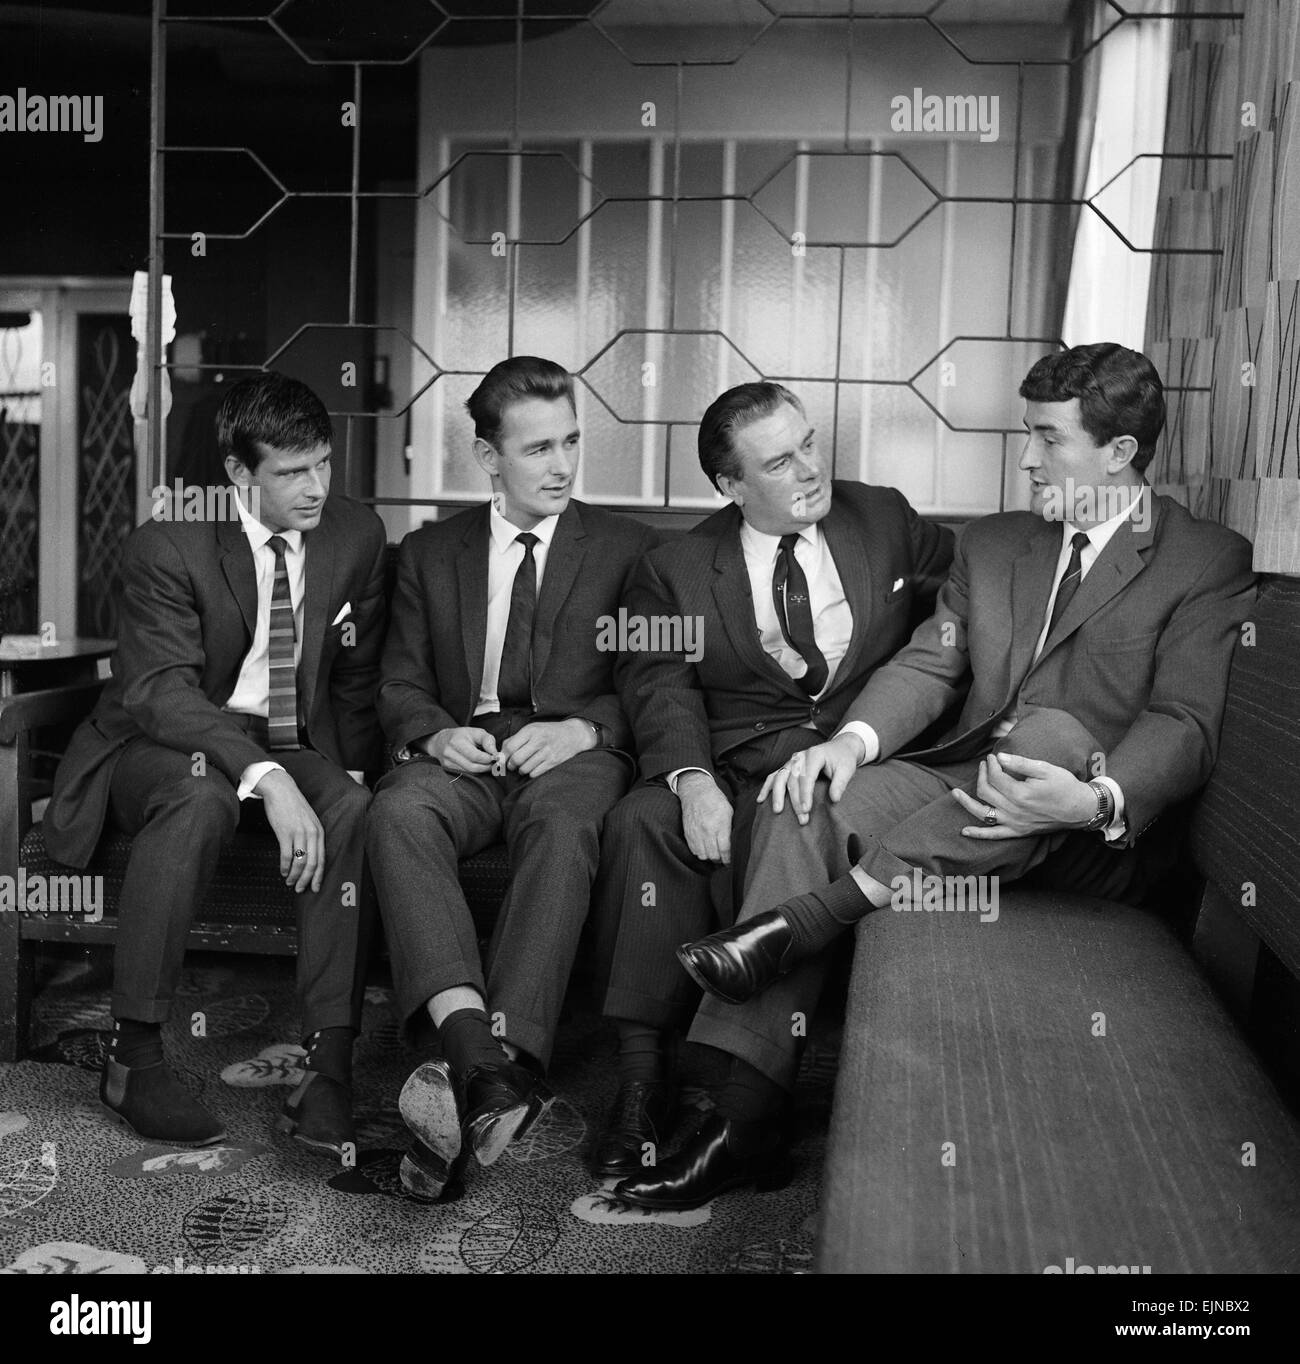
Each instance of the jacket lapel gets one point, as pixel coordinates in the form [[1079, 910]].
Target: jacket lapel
[[472, 586], [563, 560], [862, 569], [735, 604], [237, 565], [1031, 585], [1116, 566]]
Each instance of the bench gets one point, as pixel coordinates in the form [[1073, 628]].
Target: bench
[[1077, 1087], [248, 907]]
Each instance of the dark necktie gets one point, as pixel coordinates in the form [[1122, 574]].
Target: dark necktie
[[1070, 583], [794, 612], [282, 712], [515, 679]]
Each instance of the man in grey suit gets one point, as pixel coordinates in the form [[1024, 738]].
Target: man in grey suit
[[797, 591], [1091, 661], [243, 686], [498, 699]]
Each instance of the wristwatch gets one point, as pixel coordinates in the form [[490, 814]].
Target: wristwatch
[[1105, 806]]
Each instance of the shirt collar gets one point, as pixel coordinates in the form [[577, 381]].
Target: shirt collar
[[760, 543], [258, 534], [1100, 536], [504, 532]]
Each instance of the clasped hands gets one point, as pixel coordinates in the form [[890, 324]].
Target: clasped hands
[[1026, 795], [530, 751]]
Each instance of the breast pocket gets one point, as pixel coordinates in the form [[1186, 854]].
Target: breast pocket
[[1122, 644]]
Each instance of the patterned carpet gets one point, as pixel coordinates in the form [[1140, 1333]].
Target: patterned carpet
[[80, 1195]]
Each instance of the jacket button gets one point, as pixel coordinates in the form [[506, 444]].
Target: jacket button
[[758, 724], [816, 710]]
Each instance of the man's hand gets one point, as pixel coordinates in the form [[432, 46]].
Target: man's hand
[[1029, 797], [296, 827], [545, 744], [838, 760], [706, 817], [464, 749]]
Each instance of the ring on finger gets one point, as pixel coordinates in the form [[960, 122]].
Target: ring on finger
[[991, 818]]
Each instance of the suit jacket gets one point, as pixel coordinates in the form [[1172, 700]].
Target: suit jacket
[[187, 615], [692, 714], [1140, 657], [433, 661]]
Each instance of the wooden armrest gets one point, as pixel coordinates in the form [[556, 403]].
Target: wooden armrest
[[31, 709]]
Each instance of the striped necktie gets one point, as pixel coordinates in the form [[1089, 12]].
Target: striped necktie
[[1069, 583], [282, 713], [790, 596]]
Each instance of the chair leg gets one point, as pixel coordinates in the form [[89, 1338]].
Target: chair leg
[[17, 978]]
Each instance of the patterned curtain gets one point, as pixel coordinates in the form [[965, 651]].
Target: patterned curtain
[[1224, 299]]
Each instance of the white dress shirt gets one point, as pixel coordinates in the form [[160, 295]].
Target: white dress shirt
[[505, 554], [1098, 538], [831, 613]]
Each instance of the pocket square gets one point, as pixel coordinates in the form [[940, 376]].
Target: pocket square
[[898, 583], [346, 611]]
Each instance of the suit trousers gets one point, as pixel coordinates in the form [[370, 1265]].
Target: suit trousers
[[906, 817], [424, 819], [653, 894], [180, 823]]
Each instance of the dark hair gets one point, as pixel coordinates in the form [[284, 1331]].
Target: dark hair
[[511, 381], [273, 410], [1119, 393], [728, 413]]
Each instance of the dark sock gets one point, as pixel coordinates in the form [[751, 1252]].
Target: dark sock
[[330, 1052], [748, 1095], [819, 917], [136, 1044], [640, 1053], [466, 1040]]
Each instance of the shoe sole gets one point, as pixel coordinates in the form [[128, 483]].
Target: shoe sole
[[704, 983], [122, 1122], [288, 1127], [490, 1135], [427, 1104]]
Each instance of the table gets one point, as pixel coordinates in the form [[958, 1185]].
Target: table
[[75, 659]]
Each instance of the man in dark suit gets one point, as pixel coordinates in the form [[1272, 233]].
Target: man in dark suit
[[796, 592], [498, 698], [1093, 660], [243, 682]]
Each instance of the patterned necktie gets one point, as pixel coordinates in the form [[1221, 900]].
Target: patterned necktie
[[794, 612], [282, 712], [1070, 583], [515, 679]]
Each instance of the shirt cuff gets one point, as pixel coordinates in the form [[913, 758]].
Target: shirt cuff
[[252, 774], [1117, 826], [675, 777], [870, 739]]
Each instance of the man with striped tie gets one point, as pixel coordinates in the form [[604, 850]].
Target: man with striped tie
[[1087, 642], [242, 688]]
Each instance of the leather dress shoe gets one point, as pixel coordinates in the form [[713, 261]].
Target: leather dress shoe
[[318, 1114], [724, 1154], [739, 962], [150, 1102], [428, 1107], [499, 1102], [642, 1112]]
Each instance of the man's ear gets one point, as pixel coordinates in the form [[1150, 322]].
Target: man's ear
[[237, 471], [732, 488], [1122, 454], [485, 455]]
